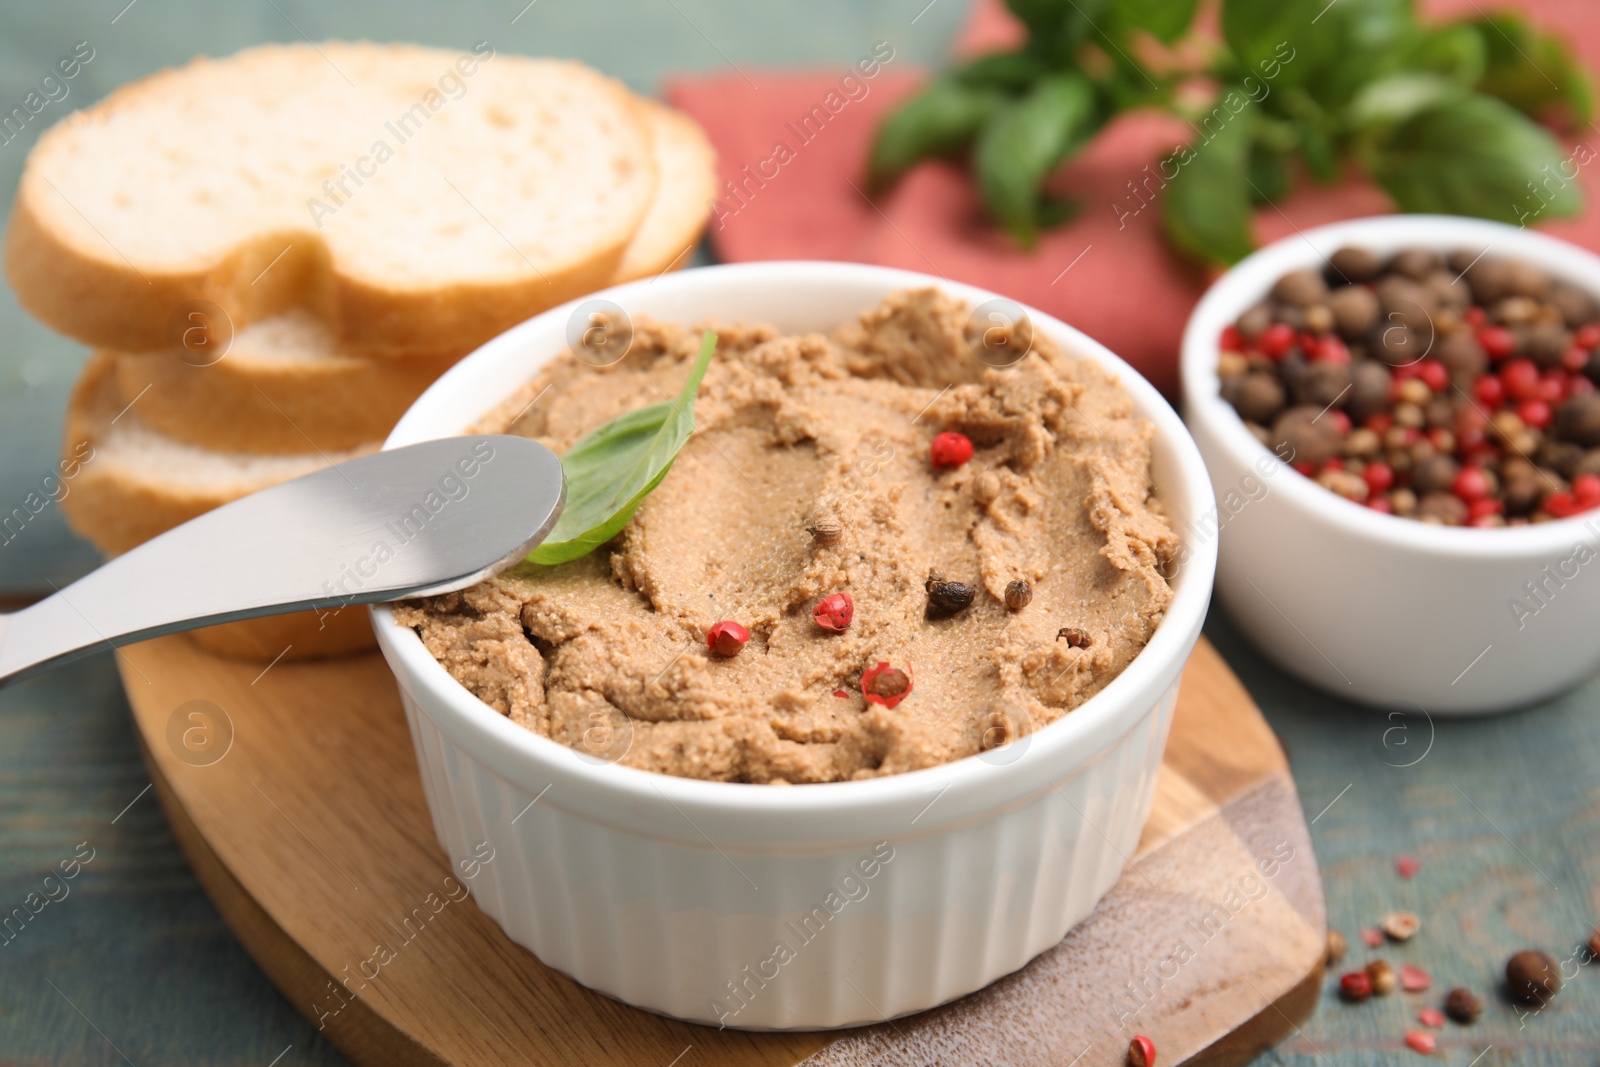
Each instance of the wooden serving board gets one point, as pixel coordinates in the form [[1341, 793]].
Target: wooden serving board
[[297, 799]]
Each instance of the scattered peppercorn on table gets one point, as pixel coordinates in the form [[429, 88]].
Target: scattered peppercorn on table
[[1486, 831]]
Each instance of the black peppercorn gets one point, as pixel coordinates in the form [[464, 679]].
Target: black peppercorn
[[1074, 637], [1532, 977], [1578, 420], [946, 598], [1462, 1006]]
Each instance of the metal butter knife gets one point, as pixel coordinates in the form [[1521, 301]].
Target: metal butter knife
[[423, 519]]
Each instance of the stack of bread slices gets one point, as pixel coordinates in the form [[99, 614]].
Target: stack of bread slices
[[274, 253]]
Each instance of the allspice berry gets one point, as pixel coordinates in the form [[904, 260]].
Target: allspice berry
[[1407, 304], [1299, 436], [1444, 509], [1525, 279], [1463, 355], [1255, 319], [1355, 264], [1449, 292], [1415, 262], [1490, 280], [1355, 310], [1324, 384], [1382, 977], [1260, 397], [1576, 306], [1462, 1006], [1369, 389], [1547, 343], [1019, 594], [1319, 318], [1435, 474], [1522, 485], [1532, 977], [1337, 947], [1300, 288]]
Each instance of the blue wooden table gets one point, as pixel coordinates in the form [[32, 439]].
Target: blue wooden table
[[129, 963]]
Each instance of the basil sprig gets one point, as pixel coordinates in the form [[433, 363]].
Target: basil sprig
[[1446, 117], [613, 468]]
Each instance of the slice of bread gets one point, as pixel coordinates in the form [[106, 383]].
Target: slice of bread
[[283, 386], [419, 201], [130, 483], [686, 185]]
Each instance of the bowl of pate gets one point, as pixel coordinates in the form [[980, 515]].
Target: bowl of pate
[[772, 837]]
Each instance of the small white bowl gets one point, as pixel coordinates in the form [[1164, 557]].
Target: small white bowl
[[890, 895], [1371, 607]]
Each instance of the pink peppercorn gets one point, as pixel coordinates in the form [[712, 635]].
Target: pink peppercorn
[[834, 612], [1275, 341], [951, 449], [1471, 483], [1498, 341], [727, 638]]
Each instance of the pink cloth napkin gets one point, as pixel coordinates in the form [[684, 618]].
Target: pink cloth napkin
[[792, 149]]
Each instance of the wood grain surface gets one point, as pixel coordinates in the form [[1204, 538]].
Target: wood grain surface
[[295, 794]]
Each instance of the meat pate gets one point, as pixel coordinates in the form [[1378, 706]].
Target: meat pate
[[797, 433]]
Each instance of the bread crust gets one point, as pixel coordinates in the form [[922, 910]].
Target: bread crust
[[273, 406], [682, 207], [116, 509]]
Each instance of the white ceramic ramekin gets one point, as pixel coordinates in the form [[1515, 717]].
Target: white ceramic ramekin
[[809, 906], [1375, 608]]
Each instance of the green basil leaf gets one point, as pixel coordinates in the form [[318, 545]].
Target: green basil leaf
[[1205, 210], [1322, 158], [940, 119], [1398, 97], [1475, 156], [1330, 49], [1043, 18], [613, 468], [1056, 28], [1165, 19], [1456, 52], [1362, 40], [1269, 174], [1001, 70], [1056, 210], [1021, 143], [1533, 72], [1271, 31]]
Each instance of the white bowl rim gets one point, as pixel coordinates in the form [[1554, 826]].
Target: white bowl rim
[[1051, 754], [1248, 281]]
